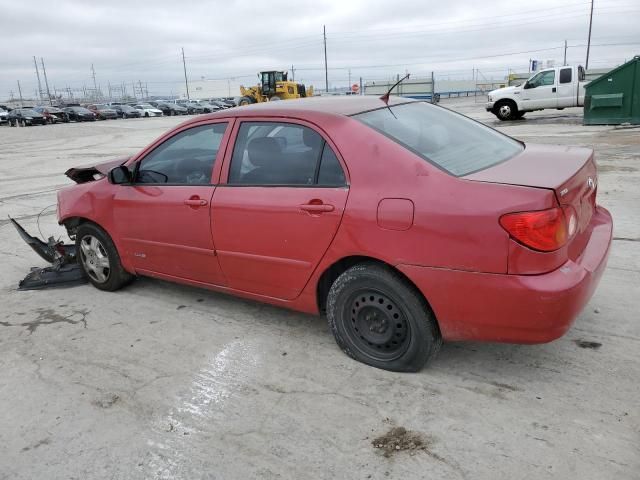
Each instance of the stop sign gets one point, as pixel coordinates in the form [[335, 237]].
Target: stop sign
[[355, 87]]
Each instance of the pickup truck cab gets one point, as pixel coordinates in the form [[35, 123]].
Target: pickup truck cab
[[558, 88]]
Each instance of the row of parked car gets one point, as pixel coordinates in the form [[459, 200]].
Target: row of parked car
[[42, 115]]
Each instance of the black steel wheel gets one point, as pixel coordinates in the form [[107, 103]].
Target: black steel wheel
[[377, 317], [376, 325]]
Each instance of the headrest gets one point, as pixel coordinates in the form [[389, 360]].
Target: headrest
[[262, 151], [310, 138]]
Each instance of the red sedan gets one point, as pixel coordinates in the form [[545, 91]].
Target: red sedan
[[407, 224]]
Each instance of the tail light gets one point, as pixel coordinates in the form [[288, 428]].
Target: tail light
[[543, 230]]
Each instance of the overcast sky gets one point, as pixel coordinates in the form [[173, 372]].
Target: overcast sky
[[130, 41]]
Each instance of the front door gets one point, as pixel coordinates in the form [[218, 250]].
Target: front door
[[541, 91], [279, 209], [164, 216]]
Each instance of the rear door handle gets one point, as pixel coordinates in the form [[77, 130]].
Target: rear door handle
[[195, 202], [553, 89], [317, 208]]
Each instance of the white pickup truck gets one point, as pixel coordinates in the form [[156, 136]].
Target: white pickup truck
[[557, 87]]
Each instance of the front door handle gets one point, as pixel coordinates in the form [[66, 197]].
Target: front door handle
[[195, 202], [317, 207]]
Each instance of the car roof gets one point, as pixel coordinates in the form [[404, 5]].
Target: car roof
[[335, 105]]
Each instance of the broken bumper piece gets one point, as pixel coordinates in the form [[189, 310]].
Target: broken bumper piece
[[64, 269]]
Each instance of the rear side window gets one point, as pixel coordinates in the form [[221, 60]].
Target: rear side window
[[565, 75], [450, 141], [275, 153]]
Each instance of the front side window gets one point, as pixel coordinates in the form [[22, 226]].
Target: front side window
[[185, 159], [543, 79], [274, 153], [450, 141]]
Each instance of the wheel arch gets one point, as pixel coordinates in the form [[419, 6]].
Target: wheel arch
[[72, 222], [337, 268]]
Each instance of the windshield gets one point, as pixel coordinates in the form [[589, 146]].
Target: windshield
[[446, 139], [28, 111]]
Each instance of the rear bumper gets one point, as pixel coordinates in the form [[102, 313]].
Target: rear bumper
[[515, 308]]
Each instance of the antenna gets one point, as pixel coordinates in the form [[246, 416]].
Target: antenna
[[385, 97]]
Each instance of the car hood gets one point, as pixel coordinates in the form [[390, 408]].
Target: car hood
[[94, 172], [504, 90]]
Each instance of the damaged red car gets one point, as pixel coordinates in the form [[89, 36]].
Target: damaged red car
[[405, 223]]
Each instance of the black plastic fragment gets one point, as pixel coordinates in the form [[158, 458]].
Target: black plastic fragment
[[64, 270], [50, 277]]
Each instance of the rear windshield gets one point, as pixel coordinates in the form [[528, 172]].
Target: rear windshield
[[449, 140]]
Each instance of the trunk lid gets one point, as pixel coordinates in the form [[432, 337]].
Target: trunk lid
[[571, 172]]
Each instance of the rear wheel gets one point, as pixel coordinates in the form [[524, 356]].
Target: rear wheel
[[244, 101], [99, 258], [506, 110], [378, 318]]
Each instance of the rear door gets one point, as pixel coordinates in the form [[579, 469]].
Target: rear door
[[279, 208], [541, 91], [164, 216], [567, 88]]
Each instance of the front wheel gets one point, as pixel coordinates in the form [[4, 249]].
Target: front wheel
[[244, 101], [379, 319], [506, 110], [99, 258]]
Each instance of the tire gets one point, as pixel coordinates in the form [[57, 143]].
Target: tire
[[401, 332], [146, 114], [274, 99], [99, 259], [245, 101], [506, 110]]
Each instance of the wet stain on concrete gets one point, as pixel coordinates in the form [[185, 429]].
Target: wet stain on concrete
[[106, 401], [588, 344], [39, 443], [48, 316]]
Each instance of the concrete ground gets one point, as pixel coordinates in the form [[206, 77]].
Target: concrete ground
[[160, 381]]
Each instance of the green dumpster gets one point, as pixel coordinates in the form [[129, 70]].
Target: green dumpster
[[614, 98]]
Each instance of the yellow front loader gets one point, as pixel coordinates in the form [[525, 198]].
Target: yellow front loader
[[273, 86]]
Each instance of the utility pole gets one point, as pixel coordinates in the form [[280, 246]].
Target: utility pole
[[20, 93], [349, 79], [133, 85], [361, 92], [564, 62], [186, 82], [141, 91], [293, 74], [38, 75], [95, 87], [326, 71], [433, 88], [586, 64], [46, 82]]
